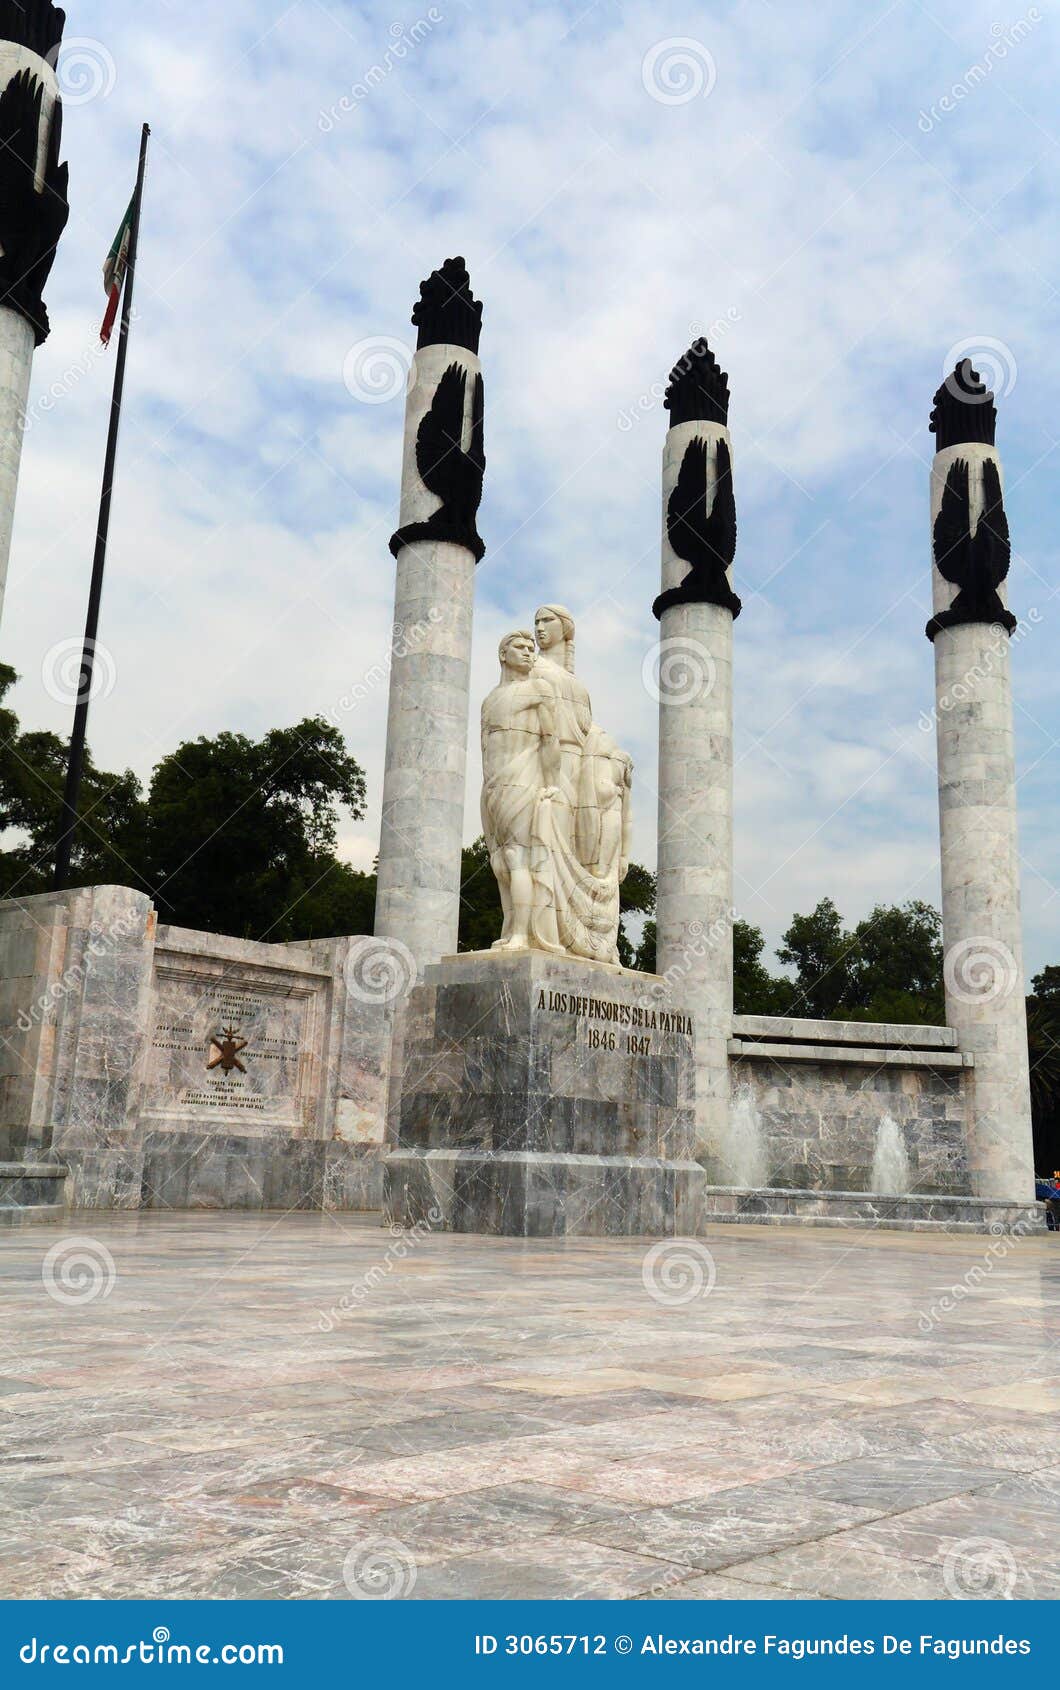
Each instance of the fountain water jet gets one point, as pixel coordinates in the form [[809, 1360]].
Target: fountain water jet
[[891, 1176], [742, 1150]]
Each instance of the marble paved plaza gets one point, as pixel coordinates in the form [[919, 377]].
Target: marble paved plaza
[[308, 1406]]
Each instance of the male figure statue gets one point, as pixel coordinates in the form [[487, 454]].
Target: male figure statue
[[520, 771]]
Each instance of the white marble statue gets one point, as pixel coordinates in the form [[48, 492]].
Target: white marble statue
[[555, 799]]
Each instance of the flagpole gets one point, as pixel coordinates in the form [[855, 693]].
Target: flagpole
[[76, 758]]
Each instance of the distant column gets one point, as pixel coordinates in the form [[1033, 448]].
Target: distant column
[[436, 547], [696, 609], [970, 630], [33, 213]]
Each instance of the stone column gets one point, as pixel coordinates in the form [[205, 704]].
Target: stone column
[[982, 937], [436, 547], [696, 609], [33, 213]]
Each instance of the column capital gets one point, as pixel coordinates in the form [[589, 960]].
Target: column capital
[[963, 410], [698, 389], [970, 542], [699, 507], [447, 313]]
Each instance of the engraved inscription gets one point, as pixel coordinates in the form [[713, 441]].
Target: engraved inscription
[[618, 1016], [222, 1048]]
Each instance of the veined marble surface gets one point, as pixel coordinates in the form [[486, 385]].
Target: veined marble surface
[[16, 363], [275, 1405]]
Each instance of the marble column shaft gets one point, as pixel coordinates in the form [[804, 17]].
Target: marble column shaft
[[16, 366], [17, 339], [418, 897], [982, 934], [694, 904]]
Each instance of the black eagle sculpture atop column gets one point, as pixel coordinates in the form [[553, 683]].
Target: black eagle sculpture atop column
[[446, 314], [975, 561], [31, 219], [705, 539]]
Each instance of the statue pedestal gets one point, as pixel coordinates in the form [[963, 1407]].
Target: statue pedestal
[[544, 1096]]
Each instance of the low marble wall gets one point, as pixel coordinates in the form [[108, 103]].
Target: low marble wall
[[169, 1068], [110, 1062], [820, 1090]]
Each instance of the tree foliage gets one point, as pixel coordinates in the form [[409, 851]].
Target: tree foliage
[[110, 844], [481, 916], [886, 968], [241, 832], [235, 835]]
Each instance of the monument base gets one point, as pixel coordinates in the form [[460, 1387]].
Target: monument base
[[534, 1195], [31, 1192], [916, 1212], [543, 1096]]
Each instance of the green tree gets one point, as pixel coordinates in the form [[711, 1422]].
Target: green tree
[[481, 916], [888, 968], [241, 834], [896, 965], [1047, 983], [1043, 1049], [754, 990], [636, 897], [332, 899], [817, 948], [110, 842], [645, 956]]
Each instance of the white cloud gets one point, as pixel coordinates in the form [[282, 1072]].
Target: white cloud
[[249, 576]]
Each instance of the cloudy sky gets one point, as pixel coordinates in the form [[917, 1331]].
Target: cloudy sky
[[841, 196]]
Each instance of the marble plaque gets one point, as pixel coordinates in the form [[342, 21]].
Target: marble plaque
[[231, 1049]]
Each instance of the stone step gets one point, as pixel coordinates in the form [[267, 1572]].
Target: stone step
[[34, 1214], [916, 1212], [866, 1222], [31, 1193]]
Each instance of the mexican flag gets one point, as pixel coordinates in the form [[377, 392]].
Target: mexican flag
[[114, 272]]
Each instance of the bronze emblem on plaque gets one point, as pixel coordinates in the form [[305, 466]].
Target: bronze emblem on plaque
[[225, 1048]]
